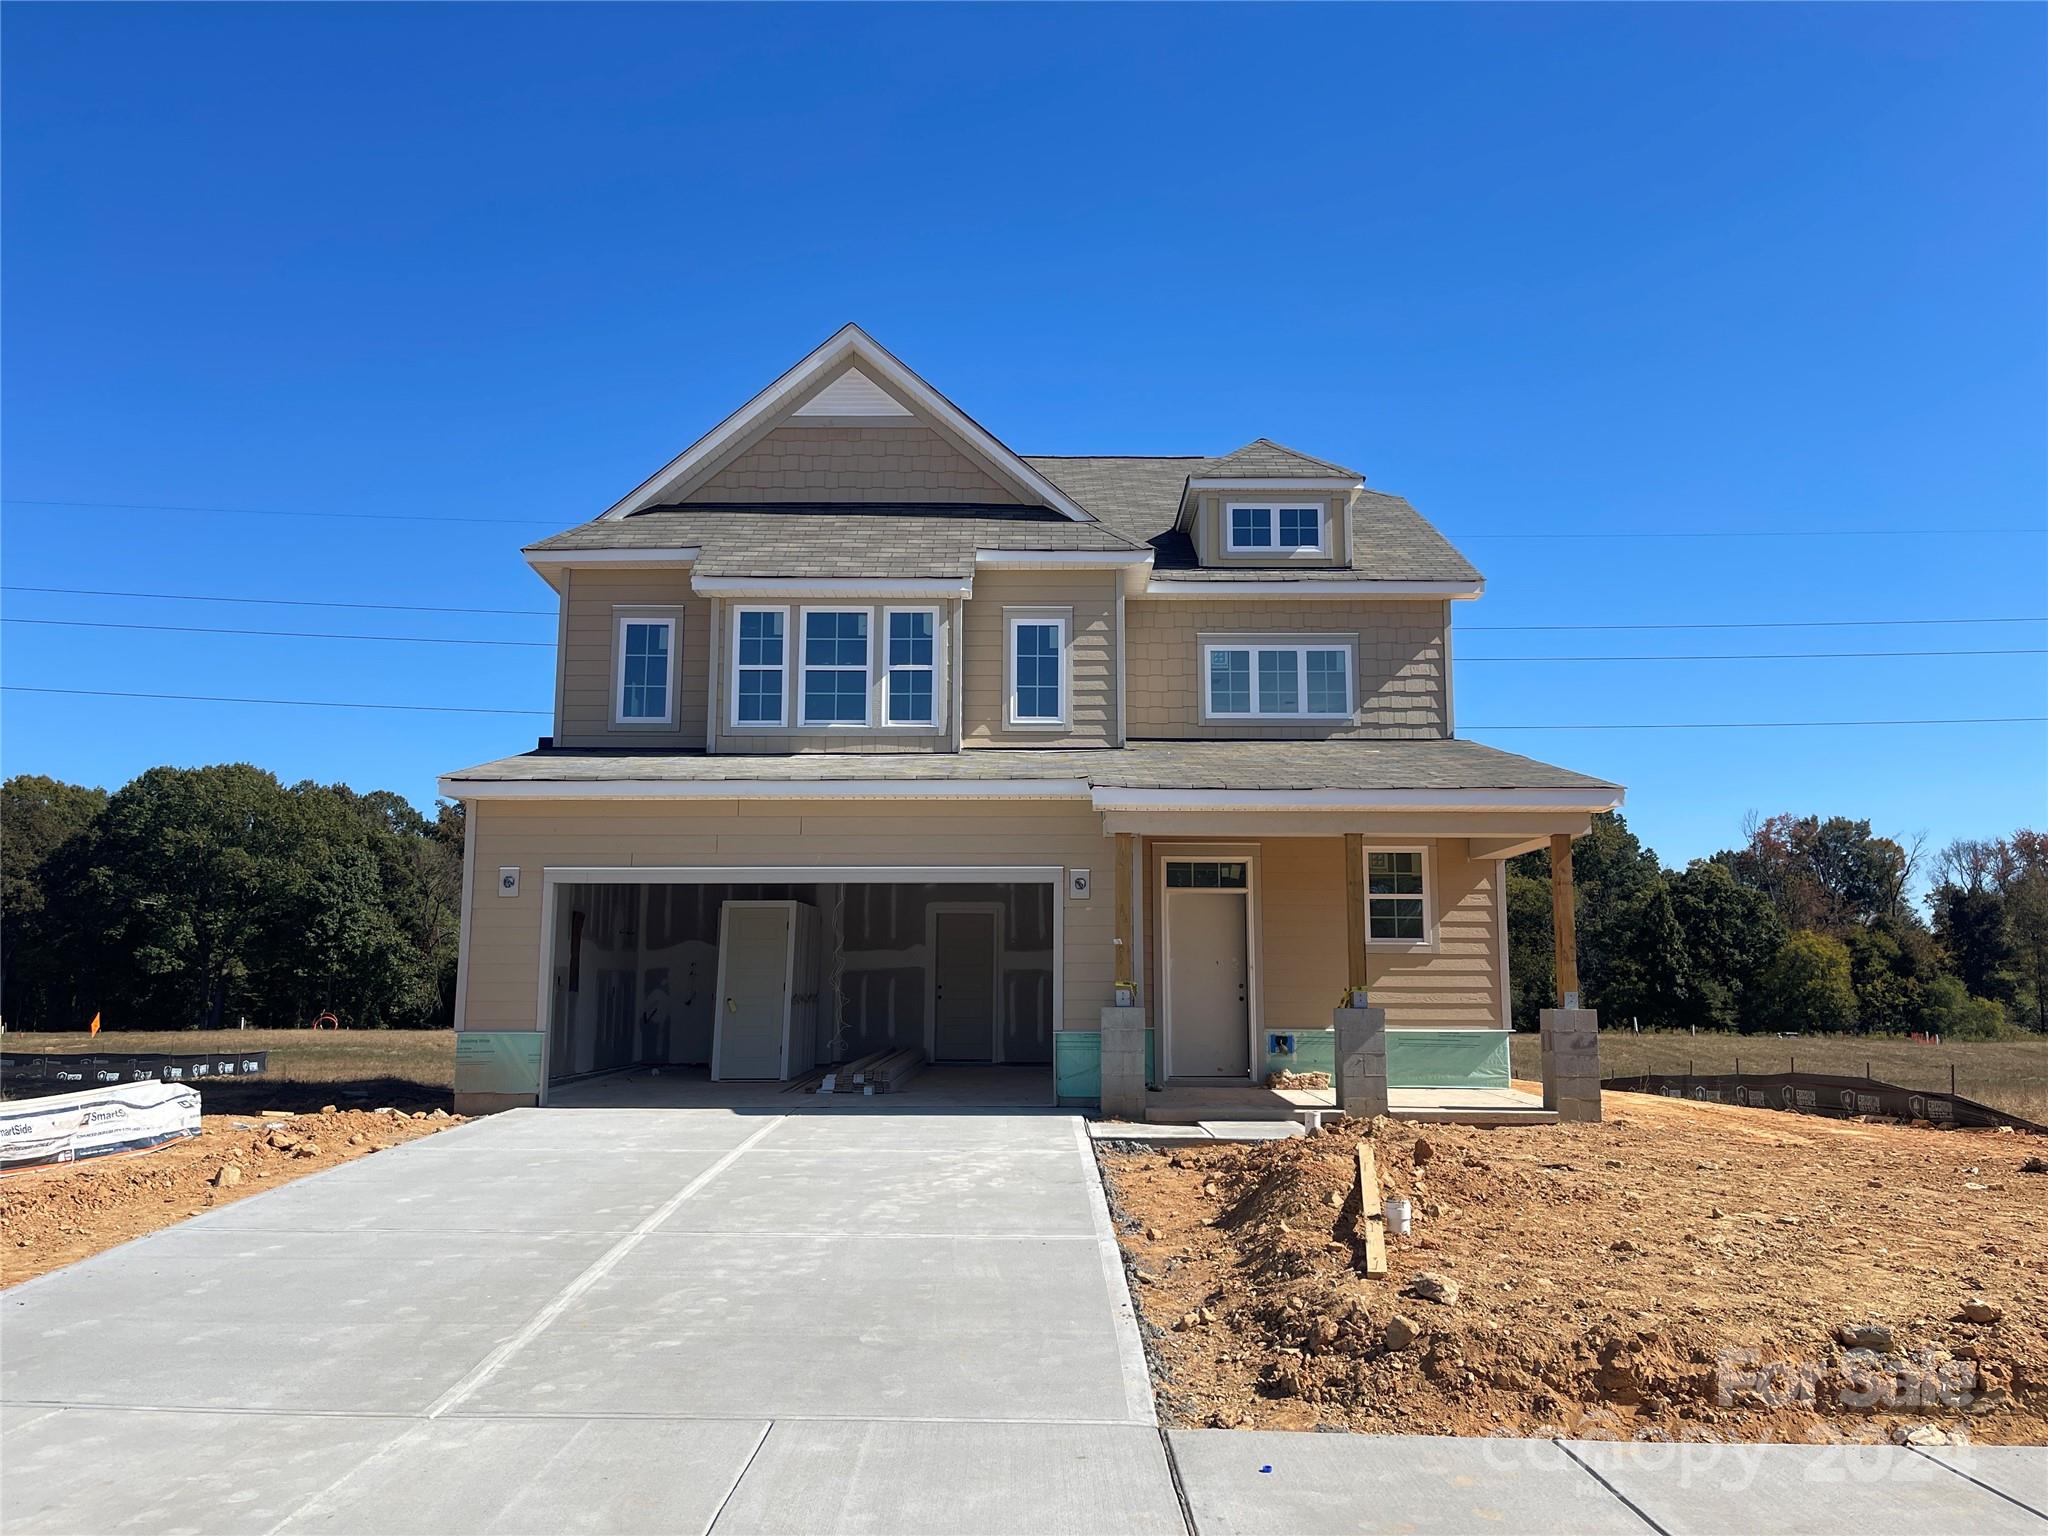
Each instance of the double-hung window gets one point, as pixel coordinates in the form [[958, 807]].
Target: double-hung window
[[910, 638], [760, 666], [644, 667], [1278, 682], [1038, 669], [835, 670], [1397, 896], [1276, 529]]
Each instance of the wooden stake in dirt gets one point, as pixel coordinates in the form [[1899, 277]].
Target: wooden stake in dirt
[[1372, 1220]]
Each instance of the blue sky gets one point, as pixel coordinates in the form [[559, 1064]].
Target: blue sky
[[1543, 270]]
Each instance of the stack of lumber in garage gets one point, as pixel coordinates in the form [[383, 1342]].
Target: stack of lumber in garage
[[846, 1079], [891, 1072]]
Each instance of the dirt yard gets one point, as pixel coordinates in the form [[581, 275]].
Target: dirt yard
[[1682, 1271], [57, 1216]]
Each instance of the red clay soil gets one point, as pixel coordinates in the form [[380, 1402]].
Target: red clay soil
[[57, 1216], [1682, 1271]]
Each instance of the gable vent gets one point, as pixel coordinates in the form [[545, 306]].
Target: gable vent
[[853, 393]]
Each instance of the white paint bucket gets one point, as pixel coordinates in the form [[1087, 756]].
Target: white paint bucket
[[1399, 1214]]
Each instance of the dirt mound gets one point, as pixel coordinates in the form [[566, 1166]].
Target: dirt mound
[[1671, 1275], [59, 1215]]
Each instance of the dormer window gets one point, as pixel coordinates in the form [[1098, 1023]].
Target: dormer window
[[1275, 528]]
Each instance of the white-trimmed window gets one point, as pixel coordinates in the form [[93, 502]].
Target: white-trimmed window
[[1254, 528], [910, 684], [1397, 896], [760, 666], [1277, 682], [644, 669], [1037, 655], [837, 645]]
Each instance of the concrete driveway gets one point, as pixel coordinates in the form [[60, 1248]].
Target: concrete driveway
[[613, 1319]]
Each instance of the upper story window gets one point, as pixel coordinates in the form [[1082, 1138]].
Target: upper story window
[[1278, 682], [644, 670], [835, 670], [1397, 896], [1038, 669], [1269, 528], [910, 695], [760, 661]]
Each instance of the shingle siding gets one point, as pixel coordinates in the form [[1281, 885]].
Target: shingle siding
[[888, 463], [587, 662]]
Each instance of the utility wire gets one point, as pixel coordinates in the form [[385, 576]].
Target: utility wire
[[299, 602], [1692, 533], [302, 634], [546, 645], [212, 698], [1770, 655], [459, 709], [1503, 629]]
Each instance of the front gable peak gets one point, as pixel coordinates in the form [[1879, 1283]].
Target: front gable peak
[[851, 381]]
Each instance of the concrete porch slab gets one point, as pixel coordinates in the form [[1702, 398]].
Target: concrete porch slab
[[1198, 1133], [931, 1479], [1696, 1489], [1265, 1483]]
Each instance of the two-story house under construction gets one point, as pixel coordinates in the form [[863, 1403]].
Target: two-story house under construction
[[870, 732]]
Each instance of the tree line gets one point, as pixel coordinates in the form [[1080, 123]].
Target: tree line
[[200, 897], [1809, 926]]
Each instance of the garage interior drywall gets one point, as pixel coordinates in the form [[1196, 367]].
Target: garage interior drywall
[[635, 969]]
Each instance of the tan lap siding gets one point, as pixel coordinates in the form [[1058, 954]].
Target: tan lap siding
[[1401, 659], [1091, 644], [1302, 935], [587, 662], [504, 933]]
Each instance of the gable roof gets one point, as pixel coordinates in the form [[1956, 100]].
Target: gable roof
[[847, 349], [1264, 459]]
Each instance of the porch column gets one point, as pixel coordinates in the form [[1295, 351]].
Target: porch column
[[1362, 1061], [1564, 935], [1354, 912], [1571, 1034], [1123, 1028]]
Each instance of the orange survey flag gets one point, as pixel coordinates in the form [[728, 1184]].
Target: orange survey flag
[[95, 1025]]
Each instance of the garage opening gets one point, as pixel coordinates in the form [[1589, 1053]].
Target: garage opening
[[774, 982]]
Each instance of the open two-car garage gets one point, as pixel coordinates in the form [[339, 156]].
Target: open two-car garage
[[772, 975]]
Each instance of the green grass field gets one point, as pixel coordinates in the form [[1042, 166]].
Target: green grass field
[[410, 1067], [2008, 1075]]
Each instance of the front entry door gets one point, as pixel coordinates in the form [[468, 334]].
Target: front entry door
[[964, 986], [1210, 998], [754, 963]]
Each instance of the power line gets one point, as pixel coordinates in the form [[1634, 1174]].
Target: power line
[[1760, 533], [1503, 629], [280, 602], [374, 517], [284, 634], [1464, 626], [1766, 725], [459, 709], [527, 522], [1771, 655], [546, 645], [212, 698]]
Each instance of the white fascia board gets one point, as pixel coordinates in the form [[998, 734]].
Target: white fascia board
[[832, 586], [1276, 487], [1575, 800], [883, 368], [1030, 558], [458, 788], [1219, 591], [676, 555]]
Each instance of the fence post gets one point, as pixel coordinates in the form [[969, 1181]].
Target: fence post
[[1951, 1079]]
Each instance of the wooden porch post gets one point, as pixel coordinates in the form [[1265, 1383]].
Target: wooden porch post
[[1126, 947], [1562, 919], [1354, 908]]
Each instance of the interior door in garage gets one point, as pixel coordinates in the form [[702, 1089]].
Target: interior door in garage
[[964, 986], [753, 1004]]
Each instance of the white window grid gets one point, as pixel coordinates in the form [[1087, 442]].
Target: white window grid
[[1256, 683]]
